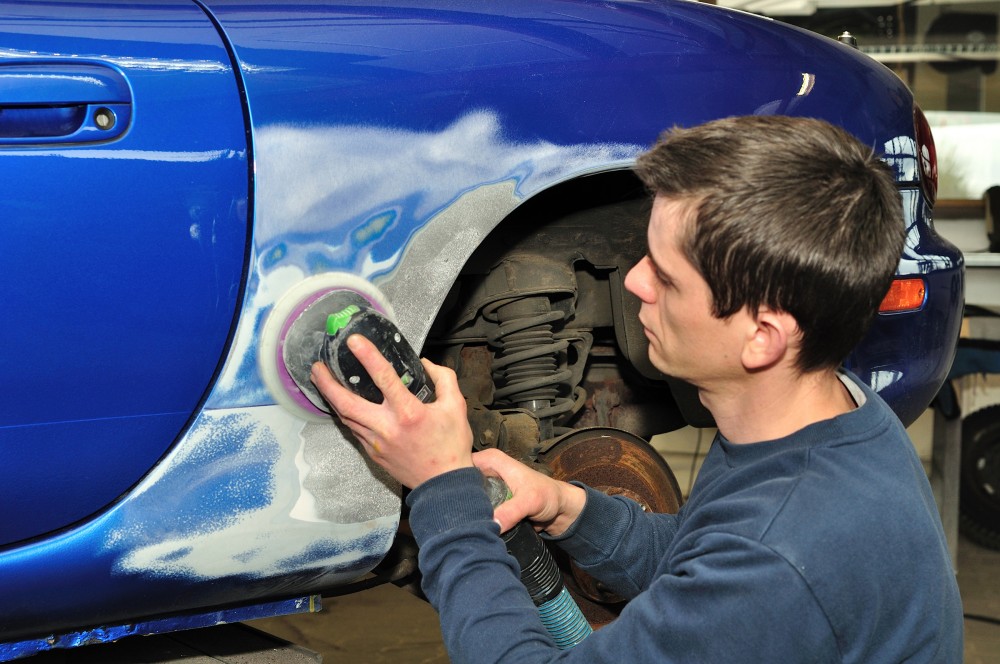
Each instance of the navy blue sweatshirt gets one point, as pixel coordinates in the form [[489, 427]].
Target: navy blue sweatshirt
[[824, 546]]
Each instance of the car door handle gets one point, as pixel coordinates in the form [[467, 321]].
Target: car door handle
[[62, 102]]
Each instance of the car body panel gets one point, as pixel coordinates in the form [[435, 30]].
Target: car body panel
[[888, 358], [124, 317], [388, 140], [124, 252]]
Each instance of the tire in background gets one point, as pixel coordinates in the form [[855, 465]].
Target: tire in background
[[979, 507]]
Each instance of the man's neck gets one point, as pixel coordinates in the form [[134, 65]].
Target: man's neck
[[771, 405]]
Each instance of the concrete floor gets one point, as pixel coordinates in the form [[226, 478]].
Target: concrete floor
[[388, 625], [385, 625], [979, 581]]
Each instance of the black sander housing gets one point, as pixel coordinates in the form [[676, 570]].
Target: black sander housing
[[382, 332]]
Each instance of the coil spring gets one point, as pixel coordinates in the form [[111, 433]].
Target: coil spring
[[529, 366]]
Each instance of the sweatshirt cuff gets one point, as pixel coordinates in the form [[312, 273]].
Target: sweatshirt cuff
[[597, 530], [451, 499]]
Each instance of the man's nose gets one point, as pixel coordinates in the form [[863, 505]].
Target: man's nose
[[637, 280]]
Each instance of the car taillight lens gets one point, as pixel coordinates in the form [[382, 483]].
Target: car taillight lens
[[927, 154], [906, 294]]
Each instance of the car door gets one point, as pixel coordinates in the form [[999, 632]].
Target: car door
[[123, 227]]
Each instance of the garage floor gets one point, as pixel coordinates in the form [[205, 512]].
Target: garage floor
[[390, 626], [979, 581]]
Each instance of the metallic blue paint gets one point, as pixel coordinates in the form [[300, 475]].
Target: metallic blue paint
[[122, 260], [125, 260], [569, 72], [580, 71], [209, 527], [906, 356]]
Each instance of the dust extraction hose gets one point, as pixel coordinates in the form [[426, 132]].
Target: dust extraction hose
[[560, 614]]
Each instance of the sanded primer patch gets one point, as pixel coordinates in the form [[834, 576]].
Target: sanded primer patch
[[277, 465]]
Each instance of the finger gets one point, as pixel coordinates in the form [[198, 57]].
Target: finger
[[371, 439], [444, 379], [507, 516], [328, 386], [322, 378], [352, 409], [331, 389], [372, 446], [494, 462], [382, 372], [483, 460]]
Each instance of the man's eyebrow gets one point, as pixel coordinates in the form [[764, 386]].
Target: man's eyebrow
[[656, 264]]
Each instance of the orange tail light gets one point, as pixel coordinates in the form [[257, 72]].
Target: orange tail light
[[906, 294]]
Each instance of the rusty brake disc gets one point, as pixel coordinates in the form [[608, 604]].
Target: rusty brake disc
[[617, 463]]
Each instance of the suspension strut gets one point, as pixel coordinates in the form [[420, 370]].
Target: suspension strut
[[530, 366]]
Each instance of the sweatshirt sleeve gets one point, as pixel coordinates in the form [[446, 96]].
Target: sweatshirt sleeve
[[469, 577], [730, 600], [615, 541]]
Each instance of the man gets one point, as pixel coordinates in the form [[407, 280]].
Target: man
[[811, 534]]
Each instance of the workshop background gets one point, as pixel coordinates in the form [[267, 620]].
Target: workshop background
[[947, 53]]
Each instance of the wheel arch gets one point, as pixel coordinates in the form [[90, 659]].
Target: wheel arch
[[435, 258], [595, 221]]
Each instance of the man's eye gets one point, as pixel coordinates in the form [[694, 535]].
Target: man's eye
[[662, 278]]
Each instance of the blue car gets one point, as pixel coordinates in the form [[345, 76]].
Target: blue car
[[186, 183]]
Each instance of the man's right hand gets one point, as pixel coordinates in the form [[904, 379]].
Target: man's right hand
[[550, 505]]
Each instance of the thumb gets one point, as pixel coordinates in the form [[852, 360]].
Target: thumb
[[507, 515]]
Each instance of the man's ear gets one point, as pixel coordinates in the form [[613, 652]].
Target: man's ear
[[771, 336]]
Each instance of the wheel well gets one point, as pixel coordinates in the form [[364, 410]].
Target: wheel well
[[581, 193], [548, 283]]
